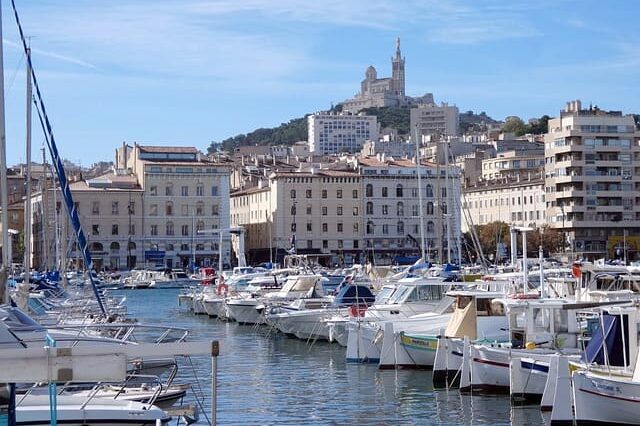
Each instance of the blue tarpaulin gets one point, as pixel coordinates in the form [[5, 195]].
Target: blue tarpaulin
[[607, 339]]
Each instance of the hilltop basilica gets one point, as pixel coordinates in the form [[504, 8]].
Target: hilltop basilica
[[382, 92]]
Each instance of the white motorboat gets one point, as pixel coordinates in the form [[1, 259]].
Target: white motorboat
[[174, 278], [81, 411], [159, 395], [398, 301], [538, 329], [602, 399], [140, 278], [408, 297], [249, 308], [305, 318], [473, 316]]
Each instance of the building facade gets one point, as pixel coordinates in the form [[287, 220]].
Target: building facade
[[368, 208], [431, 119], [331, 133], [518, 202], [512, 165], [185, 204], [591, 181]]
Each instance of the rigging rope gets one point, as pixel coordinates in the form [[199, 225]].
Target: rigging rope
[[57, 163]]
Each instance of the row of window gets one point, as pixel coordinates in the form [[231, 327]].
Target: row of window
[[169, 210], [184, 190], [115, 229], [384, 209], [504, 202], [115, 207], [384, 192], [153, 208], [170, 229], [399, 228]]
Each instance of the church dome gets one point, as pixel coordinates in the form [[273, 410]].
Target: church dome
[[371, 73]]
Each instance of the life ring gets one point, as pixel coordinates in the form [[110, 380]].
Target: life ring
[[222, 289]]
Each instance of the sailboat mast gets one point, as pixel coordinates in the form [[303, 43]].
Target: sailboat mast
[[45, 247], [439, 235], [4, 199], [56, 230], [27, 207], [447, 198], [419, 171]]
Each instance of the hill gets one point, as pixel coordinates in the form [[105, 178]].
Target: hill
[[470, 121], [285, 134], [296, 129]]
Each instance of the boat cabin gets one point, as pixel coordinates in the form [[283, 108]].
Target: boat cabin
[[476, 315], [534, 322]]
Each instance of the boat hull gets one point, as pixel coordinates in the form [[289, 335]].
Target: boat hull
[[601, 400]]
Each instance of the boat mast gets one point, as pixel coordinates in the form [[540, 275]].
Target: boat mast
[[45, 247], [419, 171], [439, 205], [56, 229], [447, 198], [4, 199], [27, 205]]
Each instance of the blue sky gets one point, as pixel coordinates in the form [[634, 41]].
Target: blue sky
[[188, 72]]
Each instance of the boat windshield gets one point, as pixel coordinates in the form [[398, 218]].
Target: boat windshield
[[16, 318], [384, 294], [415, 293]]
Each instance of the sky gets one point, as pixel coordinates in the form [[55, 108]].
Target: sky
[[189, 72]]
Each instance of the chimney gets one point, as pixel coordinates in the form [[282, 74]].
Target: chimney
[[578, 105]]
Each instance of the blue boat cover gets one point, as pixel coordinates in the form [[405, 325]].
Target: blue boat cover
[[609, 339], [354, 294]]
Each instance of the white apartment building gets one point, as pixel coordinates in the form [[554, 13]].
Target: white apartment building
[[591, 180], [511, 164], [518, 202], [431, 119], [331, 133]]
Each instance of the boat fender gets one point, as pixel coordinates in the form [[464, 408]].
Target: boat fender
[[357, 310], [525, 296]]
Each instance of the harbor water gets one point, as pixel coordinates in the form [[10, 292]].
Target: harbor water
[[265, 378]]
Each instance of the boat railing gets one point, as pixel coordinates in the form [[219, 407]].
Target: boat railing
[[125, 333]]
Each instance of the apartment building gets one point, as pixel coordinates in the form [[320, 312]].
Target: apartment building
[[332, 133], [432, 119], [317, 211], [591, 181], [350, 211], [185, 204], [519, 202], [392, 209], [513, 164]]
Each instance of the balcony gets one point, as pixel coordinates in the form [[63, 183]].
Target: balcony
[[569, 163]]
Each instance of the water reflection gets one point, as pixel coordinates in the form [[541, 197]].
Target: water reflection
[[268, 379]]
